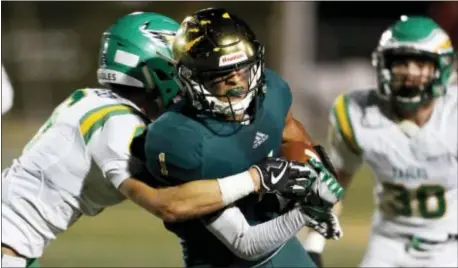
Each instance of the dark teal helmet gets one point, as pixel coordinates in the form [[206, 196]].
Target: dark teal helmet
[[213, 43]]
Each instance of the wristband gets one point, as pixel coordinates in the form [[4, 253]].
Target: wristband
[[236, 187]]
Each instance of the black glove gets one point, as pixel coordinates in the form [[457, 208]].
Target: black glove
[[316, 258], [288, 178]]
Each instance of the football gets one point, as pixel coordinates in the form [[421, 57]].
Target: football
[[298, 151]]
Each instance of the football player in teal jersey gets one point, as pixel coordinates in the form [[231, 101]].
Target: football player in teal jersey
[[235, 116]]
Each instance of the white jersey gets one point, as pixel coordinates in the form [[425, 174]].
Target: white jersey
[[416, 176], [48, 188]]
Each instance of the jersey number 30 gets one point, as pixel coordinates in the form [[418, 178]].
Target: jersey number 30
[[427, 200]]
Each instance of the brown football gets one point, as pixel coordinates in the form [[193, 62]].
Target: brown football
[[298, 151]]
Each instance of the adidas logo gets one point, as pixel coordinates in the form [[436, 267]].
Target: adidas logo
[[259, 139]]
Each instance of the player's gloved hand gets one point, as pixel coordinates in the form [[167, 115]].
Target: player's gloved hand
[[325, 190], [287, 178], [323, 221]]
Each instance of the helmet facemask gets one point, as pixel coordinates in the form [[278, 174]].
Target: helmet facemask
[[414, 62], [411, 78], [227, 92]]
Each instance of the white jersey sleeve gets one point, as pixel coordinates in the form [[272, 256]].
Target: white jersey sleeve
[[344, 150], [7, 92], [110, 147]]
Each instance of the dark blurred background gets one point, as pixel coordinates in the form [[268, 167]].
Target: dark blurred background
[[322, 49]]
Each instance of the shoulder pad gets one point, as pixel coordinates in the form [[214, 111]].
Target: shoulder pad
[[278, 90], [274, 78], [348, 108], [450, 99], [362, 99], [173, 148]]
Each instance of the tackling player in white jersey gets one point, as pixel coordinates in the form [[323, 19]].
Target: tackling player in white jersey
[[406, 131], [48, 188]]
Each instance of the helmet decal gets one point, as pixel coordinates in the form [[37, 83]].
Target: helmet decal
[[161, 38]]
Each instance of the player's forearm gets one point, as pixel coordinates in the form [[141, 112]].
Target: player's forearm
[[267, 237], [198, 198], [202, 197], [192, 199], [254, 242], [175, 203], [149, 198]]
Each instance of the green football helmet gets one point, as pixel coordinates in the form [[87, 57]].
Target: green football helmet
[[417, 38], [136, 52]]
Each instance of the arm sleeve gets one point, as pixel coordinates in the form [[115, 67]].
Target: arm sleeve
[[110, 147], [253, 242], [7, 92], [344, 150]]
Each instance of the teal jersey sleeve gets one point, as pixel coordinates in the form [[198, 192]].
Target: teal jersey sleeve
[[173, 150]]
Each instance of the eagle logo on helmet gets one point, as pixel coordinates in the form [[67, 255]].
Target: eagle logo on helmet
[[163, 38]]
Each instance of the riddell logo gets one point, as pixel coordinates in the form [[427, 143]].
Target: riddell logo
[[232, 58]]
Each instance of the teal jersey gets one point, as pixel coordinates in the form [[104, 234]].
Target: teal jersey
[[182, 147]]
